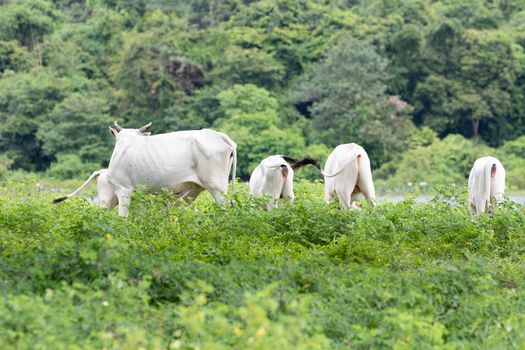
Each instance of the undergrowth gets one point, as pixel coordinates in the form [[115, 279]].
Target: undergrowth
[[304, 276]]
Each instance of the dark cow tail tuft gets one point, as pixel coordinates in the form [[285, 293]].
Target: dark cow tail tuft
[[305, 161], [290, 160], [61, 199]]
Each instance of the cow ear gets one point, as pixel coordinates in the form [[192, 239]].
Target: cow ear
[[113, 132]]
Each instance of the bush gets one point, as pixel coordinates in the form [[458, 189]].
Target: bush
[[69, 166], [441, 162], [306, 276], [511, 156]]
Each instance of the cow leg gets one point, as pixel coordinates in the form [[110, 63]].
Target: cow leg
[[106, 197], [329, 191], [124, 198], [472, 208], [192, 195], [481, 205], [272, 203], [106, 202], [344, 187], [327, 197], [344, 200], [364, 180]]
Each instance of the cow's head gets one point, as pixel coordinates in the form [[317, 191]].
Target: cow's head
[[118, 131]]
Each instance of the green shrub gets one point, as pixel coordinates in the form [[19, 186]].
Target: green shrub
[[307, 275], [69, 166], [442, 162]]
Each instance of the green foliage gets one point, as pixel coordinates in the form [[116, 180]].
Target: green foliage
[[338, 72], [347, 90], [71, 166], [86, 48], [249, 66], [441, 162], [511, 154], [153, 74], [25, 101], [74, 127], [13, 58], [450, 160], [344, 89], [307, 275], [27, 21], [5, 164], [250, 111]]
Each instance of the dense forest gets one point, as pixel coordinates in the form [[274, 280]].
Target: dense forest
[[425, 86]]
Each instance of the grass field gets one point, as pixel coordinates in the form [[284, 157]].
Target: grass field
[[305, 276]]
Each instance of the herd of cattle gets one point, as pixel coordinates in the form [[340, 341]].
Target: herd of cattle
[[188, 162]]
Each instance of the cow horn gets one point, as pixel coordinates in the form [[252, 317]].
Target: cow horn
[[117, 126], [144, 128]]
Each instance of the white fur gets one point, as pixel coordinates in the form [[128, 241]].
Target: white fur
[[482, 187], [268, 180], [186, 162], [347, 174]]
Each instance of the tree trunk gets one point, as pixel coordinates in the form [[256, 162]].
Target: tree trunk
[[475, 128]]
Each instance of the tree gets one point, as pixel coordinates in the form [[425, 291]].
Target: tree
[[442, 162], [28, 21], [475, 90], [78, 125], [152, 73], [25, 101], [14, 58], [349, 102], [252, 121]]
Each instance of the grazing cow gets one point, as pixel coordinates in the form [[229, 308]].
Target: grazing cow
[[105, 198], [185, 162], [347, 174], [485, 182], [273, 177]]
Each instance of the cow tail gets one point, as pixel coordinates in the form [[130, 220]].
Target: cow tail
[[290, 160], [343, 167], [94, 175], [233, 146], [486, 181], [234, 172], [299, 163]]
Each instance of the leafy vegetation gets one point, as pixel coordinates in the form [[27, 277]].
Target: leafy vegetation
[[425, 86], [309, 276], [280, 76]]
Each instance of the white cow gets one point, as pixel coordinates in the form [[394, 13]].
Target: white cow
[[485, 182], [185, 162], [273, 177], [105, 198], [347, 174]]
